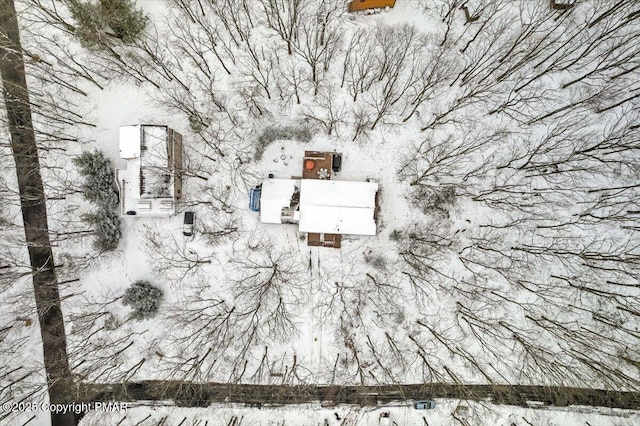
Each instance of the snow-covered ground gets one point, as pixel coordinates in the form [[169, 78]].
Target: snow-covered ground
[[507, 244], [447, 412]]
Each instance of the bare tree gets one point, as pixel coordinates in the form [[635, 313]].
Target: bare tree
[[34, 212], [332, 114], [267, 291], [174, 259], [319, 40], [284, 17]]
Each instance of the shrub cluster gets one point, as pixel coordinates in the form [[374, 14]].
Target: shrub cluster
[[396, 235], [435, 201], [98, 23], [298, 132], [143, 298], [378, 261], [98, 188]]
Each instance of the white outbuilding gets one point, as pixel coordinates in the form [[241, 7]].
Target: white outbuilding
[[152, 182]]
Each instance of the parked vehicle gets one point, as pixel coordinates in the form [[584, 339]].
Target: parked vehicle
[[336, 163], [254, 198], [187, 226], [426, 404], [384, 419]]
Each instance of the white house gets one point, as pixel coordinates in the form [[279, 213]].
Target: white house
[[338, 207], [321, 206], [152, 182]]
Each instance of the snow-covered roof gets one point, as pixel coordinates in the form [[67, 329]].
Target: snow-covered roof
[[276, 194], [337, 207], [148, 142], [130, 142], [325, 206], [338, 193], [154, 148], [147, 185], [128, 181]]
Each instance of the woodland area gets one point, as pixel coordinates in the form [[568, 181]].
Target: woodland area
[[508, 250]]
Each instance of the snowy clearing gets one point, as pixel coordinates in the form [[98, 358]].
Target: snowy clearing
[[502, 139]]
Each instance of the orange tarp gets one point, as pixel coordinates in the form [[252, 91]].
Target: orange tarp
[[358, 5]]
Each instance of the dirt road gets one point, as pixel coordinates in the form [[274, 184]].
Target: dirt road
[[198, 395]]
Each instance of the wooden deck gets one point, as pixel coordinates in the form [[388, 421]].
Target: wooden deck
[[322, 160], [324, 240]]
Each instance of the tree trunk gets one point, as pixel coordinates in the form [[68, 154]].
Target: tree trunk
[[34, 214]]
